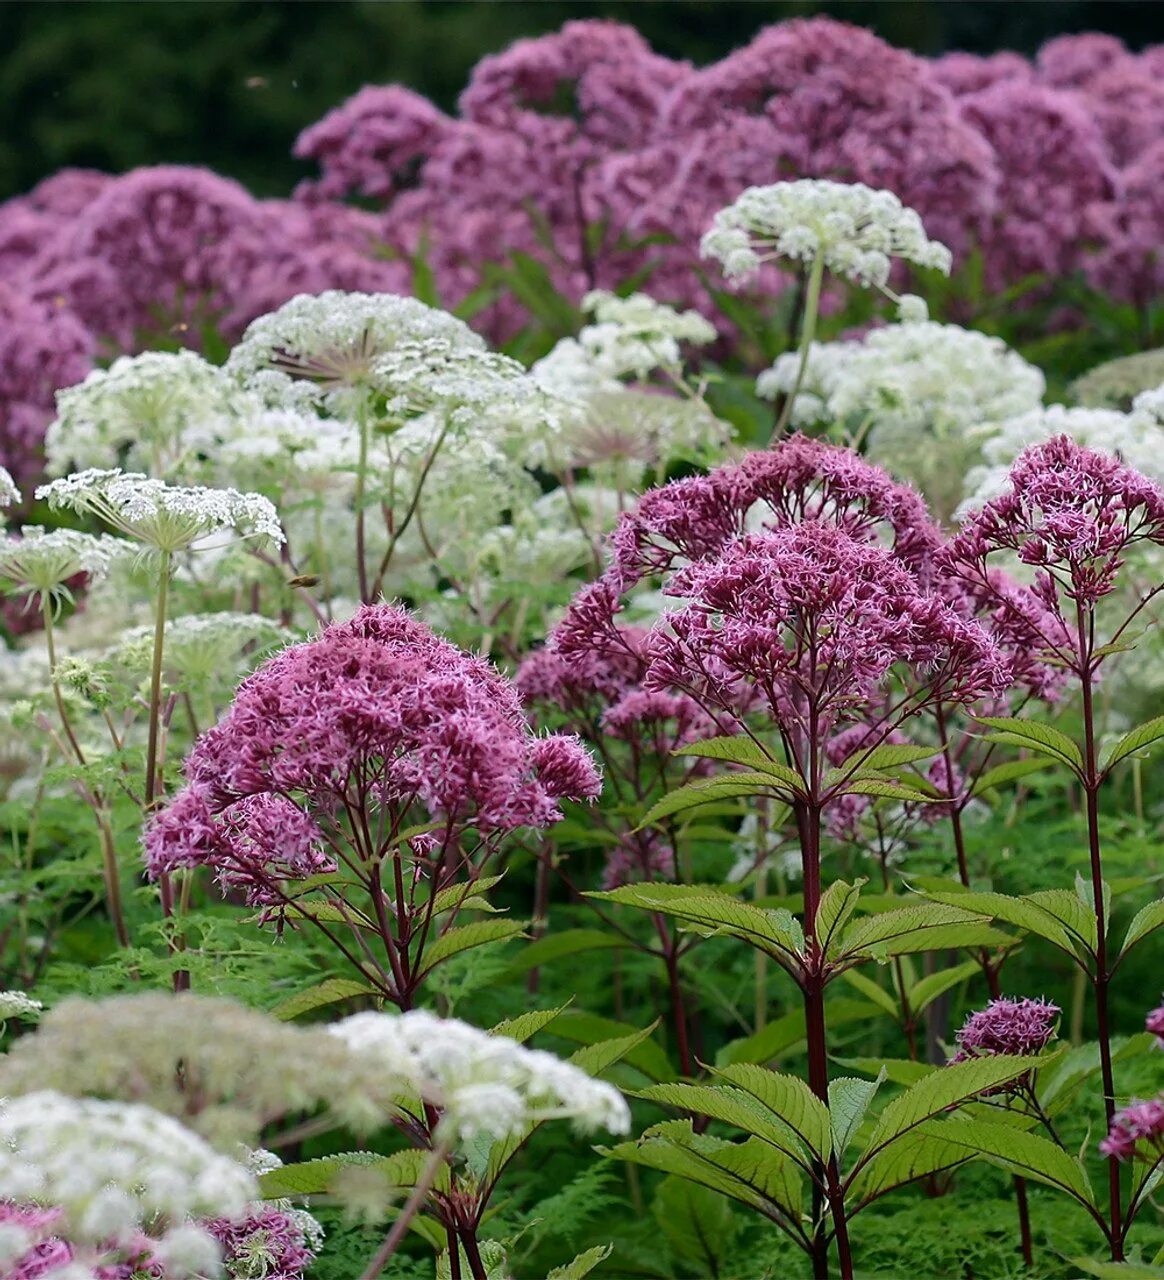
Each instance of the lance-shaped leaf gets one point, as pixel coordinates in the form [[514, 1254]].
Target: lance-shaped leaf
[[916, 928], [888, 755], [1001, 774], [706, 791], [1118, 1270], [316, 1177], [329, 991], [936, 1093], [1147, 920], [788, 1099], [900, 1071], [925, 991], [1028, 1154], [1034, 736], [605, 1041], [837, 904], [464, 938], [526, 1025], [742, 750], [877, 994], [1138, 739], [902, 1163], [1032, 916], [582, 1265], [849, 1099], [570, 942], [750, 1172], [463, 896], [882, 787], [711, 912]]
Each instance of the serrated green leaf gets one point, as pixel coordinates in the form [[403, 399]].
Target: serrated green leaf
[[1036, 736], [954, 1084], [849, 1099], [1028, 1154], [902, 1163], [315, 1177], [888, 755], [329, 911], [700, 792], [908, 929], [1022, 912], [867, 987], [788, 1099], [927, 990], [882, 787], [526, 1025], [465, 937], [710, 912], [460, 895], [743, 750], [1147, 920], [329, 991], [900, 1071], [569, 942], [837, 904], [1009, 772], [1137, 739], [600, 1037], [582, 1265], [1118, 1270]]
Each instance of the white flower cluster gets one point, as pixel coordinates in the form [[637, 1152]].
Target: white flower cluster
[[42, 561], [200, 646], [855, 230], [1136, 438], [322, 348], [116, 1170], [633, 336], [16, 1004], [486, 1085], [148, 412], [9, 493], [167, 517], [1150, 402]]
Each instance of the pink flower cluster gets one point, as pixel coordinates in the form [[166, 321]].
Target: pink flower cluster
[[268, 1242], [50, 1253], [1021, 1027], [1134, 1127], [375, 715]]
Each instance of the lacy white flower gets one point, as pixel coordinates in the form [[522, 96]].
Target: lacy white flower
[[635, 335], [856, 230], [1137, 439], [16, 1004], [324, 347], [9, 493], [1150, 402], [1115, 383], [41, 562], [149, 412], [114, 1169], [484, 1084], [167, 517]]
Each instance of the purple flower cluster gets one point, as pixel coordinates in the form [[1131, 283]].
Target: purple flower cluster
[[1134, 1127], [50, 1253], [376, 715], [1023, 1027], [268, 1242]]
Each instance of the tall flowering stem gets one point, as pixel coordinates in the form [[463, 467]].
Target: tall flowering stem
[[1075, 516]]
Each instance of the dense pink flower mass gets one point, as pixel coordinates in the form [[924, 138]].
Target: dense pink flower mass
[[1155, 1024], [1136, 1130], [1023, 1027], [375, 714], [268, 1242], [1070, 512], [50, 1253]]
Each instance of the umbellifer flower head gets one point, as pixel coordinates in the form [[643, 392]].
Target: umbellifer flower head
[[856, 230]]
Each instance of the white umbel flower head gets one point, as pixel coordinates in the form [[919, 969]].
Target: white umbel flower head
[[114, 1169], [40, 562], [633, 336], [9, 493], [16, 1004], [167, 517], [1150, 403], [484, 1084], [150, 411], [856, 230]]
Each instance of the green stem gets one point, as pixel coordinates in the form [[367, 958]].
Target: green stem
[[807, 333], [153, 765], [359, 499]]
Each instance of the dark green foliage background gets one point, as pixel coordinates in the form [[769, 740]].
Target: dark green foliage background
[[230, 83]]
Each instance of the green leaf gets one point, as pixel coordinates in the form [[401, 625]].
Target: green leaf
[[889, 790], [554, 946], [836, 906], [782, 1033], [1118, 1270], [888, 756], [788, 1099], [1031, 916], [329, 991], [526, 1025], [697, 1225], [1143, 735], [927, 990], [1028, 1154], [1009, 772], [711, 913], [702, 791], [1147, 920], [877, 994], [909, 929], [461, 895], [901, 1163], [329, 911], [849, 1099], [955, 1083], [1035, 736], [605, 1042], [751, 1172], [465, 937], [315, 1177], [900, 1071], [742, 750], [582, 1265]]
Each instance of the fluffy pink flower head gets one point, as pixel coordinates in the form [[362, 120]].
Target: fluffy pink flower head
[[1136, 1127], [813, 618], [1069, 511], [1130, 263], [1022, 1027], [964, 73], [801, 479], [268, 1242], [375, 713], [1155, 1024]]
